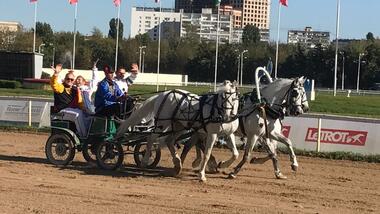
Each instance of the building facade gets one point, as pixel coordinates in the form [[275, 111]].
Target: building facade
[[146, 20], [9, 26], [253, 12], [309, 38], [205, 24], [193, 6]]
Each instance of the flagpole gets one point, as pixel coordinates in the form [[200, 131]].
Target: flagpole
[[216, 48], [336, 45], [159, 48], [278, 38], [35, 26], [117, 36], [75, 34]]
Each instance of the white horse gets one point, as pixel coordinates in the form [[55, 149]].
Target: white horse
[[282, 94], [178, 110]]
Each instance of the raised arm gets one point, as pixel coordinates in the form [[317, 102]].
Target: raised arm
[[134, 72]]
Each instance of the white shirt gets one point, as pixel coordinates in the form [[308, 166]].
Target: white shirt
[[124, 83]]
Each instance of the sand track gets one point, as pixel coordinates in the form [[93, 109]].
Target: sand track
[[28, 184]]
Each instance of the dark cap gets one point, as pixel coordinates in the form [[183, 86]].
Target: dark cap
[[108, 69]]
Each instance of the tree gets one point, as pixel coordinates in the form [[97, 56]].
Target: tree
[[45, 32], [143, 39], [96, 33], [113, 29], [370, 37], [251, 35]]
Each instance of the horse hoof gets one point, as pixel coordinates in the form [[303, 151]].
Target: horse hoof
[[281, 176], [220, 165], [294, 167], [231, 176], [253, 160], [202, 179], [196, 163]]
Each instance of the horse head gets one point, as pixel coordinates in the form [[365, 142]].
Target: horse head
[[229, 102], [296, 99]]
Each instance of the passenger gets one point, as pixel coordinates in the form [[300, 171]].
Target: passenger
[[68, 100], [125, 83], [108, 95], [87, 89]]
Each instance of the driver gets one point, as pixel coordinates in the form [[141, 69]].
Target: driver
[[108, 95]]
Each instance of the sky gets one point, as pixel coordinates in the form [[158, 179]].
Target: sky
[[357, 18]]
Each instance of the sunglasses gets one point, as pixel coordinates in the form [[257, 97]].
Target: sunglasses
[[70, 79]]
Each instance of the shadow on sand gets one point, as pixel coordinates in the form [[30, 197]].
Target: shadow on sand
[[128, 170]]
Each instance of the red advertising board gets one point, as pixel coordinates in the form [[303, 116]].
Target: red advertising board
[[337, 136]]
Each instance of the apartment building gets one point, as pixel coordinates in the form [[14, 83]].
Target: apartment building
[[309, 38]]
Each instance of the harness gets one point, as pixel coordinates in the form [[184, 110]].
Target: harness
[[193, 115]]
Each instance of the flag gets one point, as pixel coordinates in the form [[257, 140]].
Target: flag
[[32, 1], [73, 1], [284, 2], [117, 3]]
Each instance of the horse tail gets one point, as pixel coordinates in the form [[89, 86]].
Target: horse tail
[[144, 111]]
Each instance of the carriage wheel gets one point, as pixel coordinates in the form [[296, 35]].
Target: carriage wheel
[[154, 158], [59, 149], [109, 155], [89, 152]]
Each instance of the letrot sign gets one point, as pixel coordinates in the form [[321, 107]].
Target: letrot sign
[[357, 135]]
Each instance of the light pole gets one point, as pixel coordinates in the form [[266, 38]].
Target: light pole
[[241, 71], [143, 62], [358, 78], [53, 56], [336, 44], [140, 53], [238, 70], [342, 53], [39, 47]]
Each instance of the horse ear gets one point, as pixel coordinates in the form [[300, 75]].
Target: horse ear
[[235, 83], [295, 82]]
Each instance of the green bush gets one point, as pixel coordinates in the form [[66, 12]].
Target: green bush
[[9, 84]]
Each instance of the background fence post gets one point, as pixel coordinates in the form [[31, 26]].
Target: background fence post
[[30, 113], [319, 135]]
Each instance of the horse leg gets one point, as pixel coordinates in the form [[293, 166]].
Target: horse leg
[[256, 160], [176, 159], [235, 153], [280, 138], [211, 138], [262, 160], [149, 145], [193, 140], [212, 165], [271, 148], [251, 141]]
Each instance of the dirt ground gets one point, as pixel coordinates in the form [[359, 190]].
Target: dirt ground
[[28, 184]]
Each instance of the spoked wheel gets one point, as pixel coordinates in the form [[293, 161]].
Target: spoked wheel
[[109, 155], [89, 152], [59, 149], [139, 153]]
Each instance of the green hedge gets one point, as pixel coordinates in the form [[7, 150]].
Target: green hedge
[[9, 84]]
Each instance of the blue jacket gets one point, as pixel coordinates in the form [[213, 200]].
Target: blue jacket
[[104, 96]]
